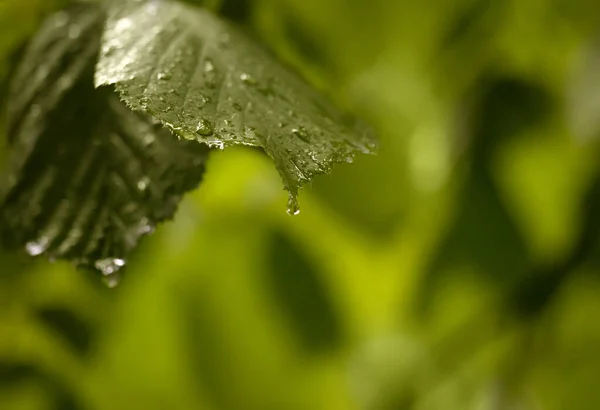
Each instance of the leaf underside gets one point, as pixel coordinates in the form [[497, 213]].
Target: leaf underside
[[208, 82], [87, 177]]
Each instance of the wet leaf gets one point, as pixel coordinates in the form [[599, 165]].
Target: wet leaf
[[208, 82], [87, 178]]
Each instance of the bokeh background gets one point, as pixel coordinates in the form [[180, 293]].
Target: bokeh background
[[457, 269]]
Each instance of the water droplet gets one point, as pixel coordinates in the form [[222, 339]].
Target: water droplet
[[301, 133], [293, 208], [37, 247], [148, 139], [112, 280], [247, 79], [143, 184], [164, 76], [174, 129], [201, 101], [109, 266], [217, 144], [204, 128], [209, 66]]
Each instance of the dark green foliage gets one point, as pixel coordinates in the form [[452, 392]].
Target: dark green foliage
[[492, 227], [87, 178], [301, 295], [15, 374], [503, 108], [236, 10], [68, 326]]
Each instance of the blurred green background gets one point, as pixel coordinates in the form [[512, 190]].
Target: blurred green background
[[457, 269]]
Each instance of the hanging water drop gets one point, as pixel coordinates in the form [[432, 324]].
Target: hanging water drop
[[112, 280], [37, 247], [293, 208], [109, 266], [204, 128]]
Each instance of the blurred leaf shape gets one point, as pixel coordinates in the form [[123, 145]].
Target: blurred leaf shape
[[390, 372], [301, 296], [583, 93], [467, 22], [13, 373], [301, 38], [205, 349], [483, 234], [70, 327], [87, 178], [540, 288], [208, 82], [505, 105]]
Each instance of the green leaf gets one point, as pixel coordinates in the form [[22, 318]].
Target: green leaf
[[208, 82], [87, 177]]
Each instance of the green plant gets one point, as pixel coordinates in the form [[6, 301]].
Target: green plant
[[92, 170]]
